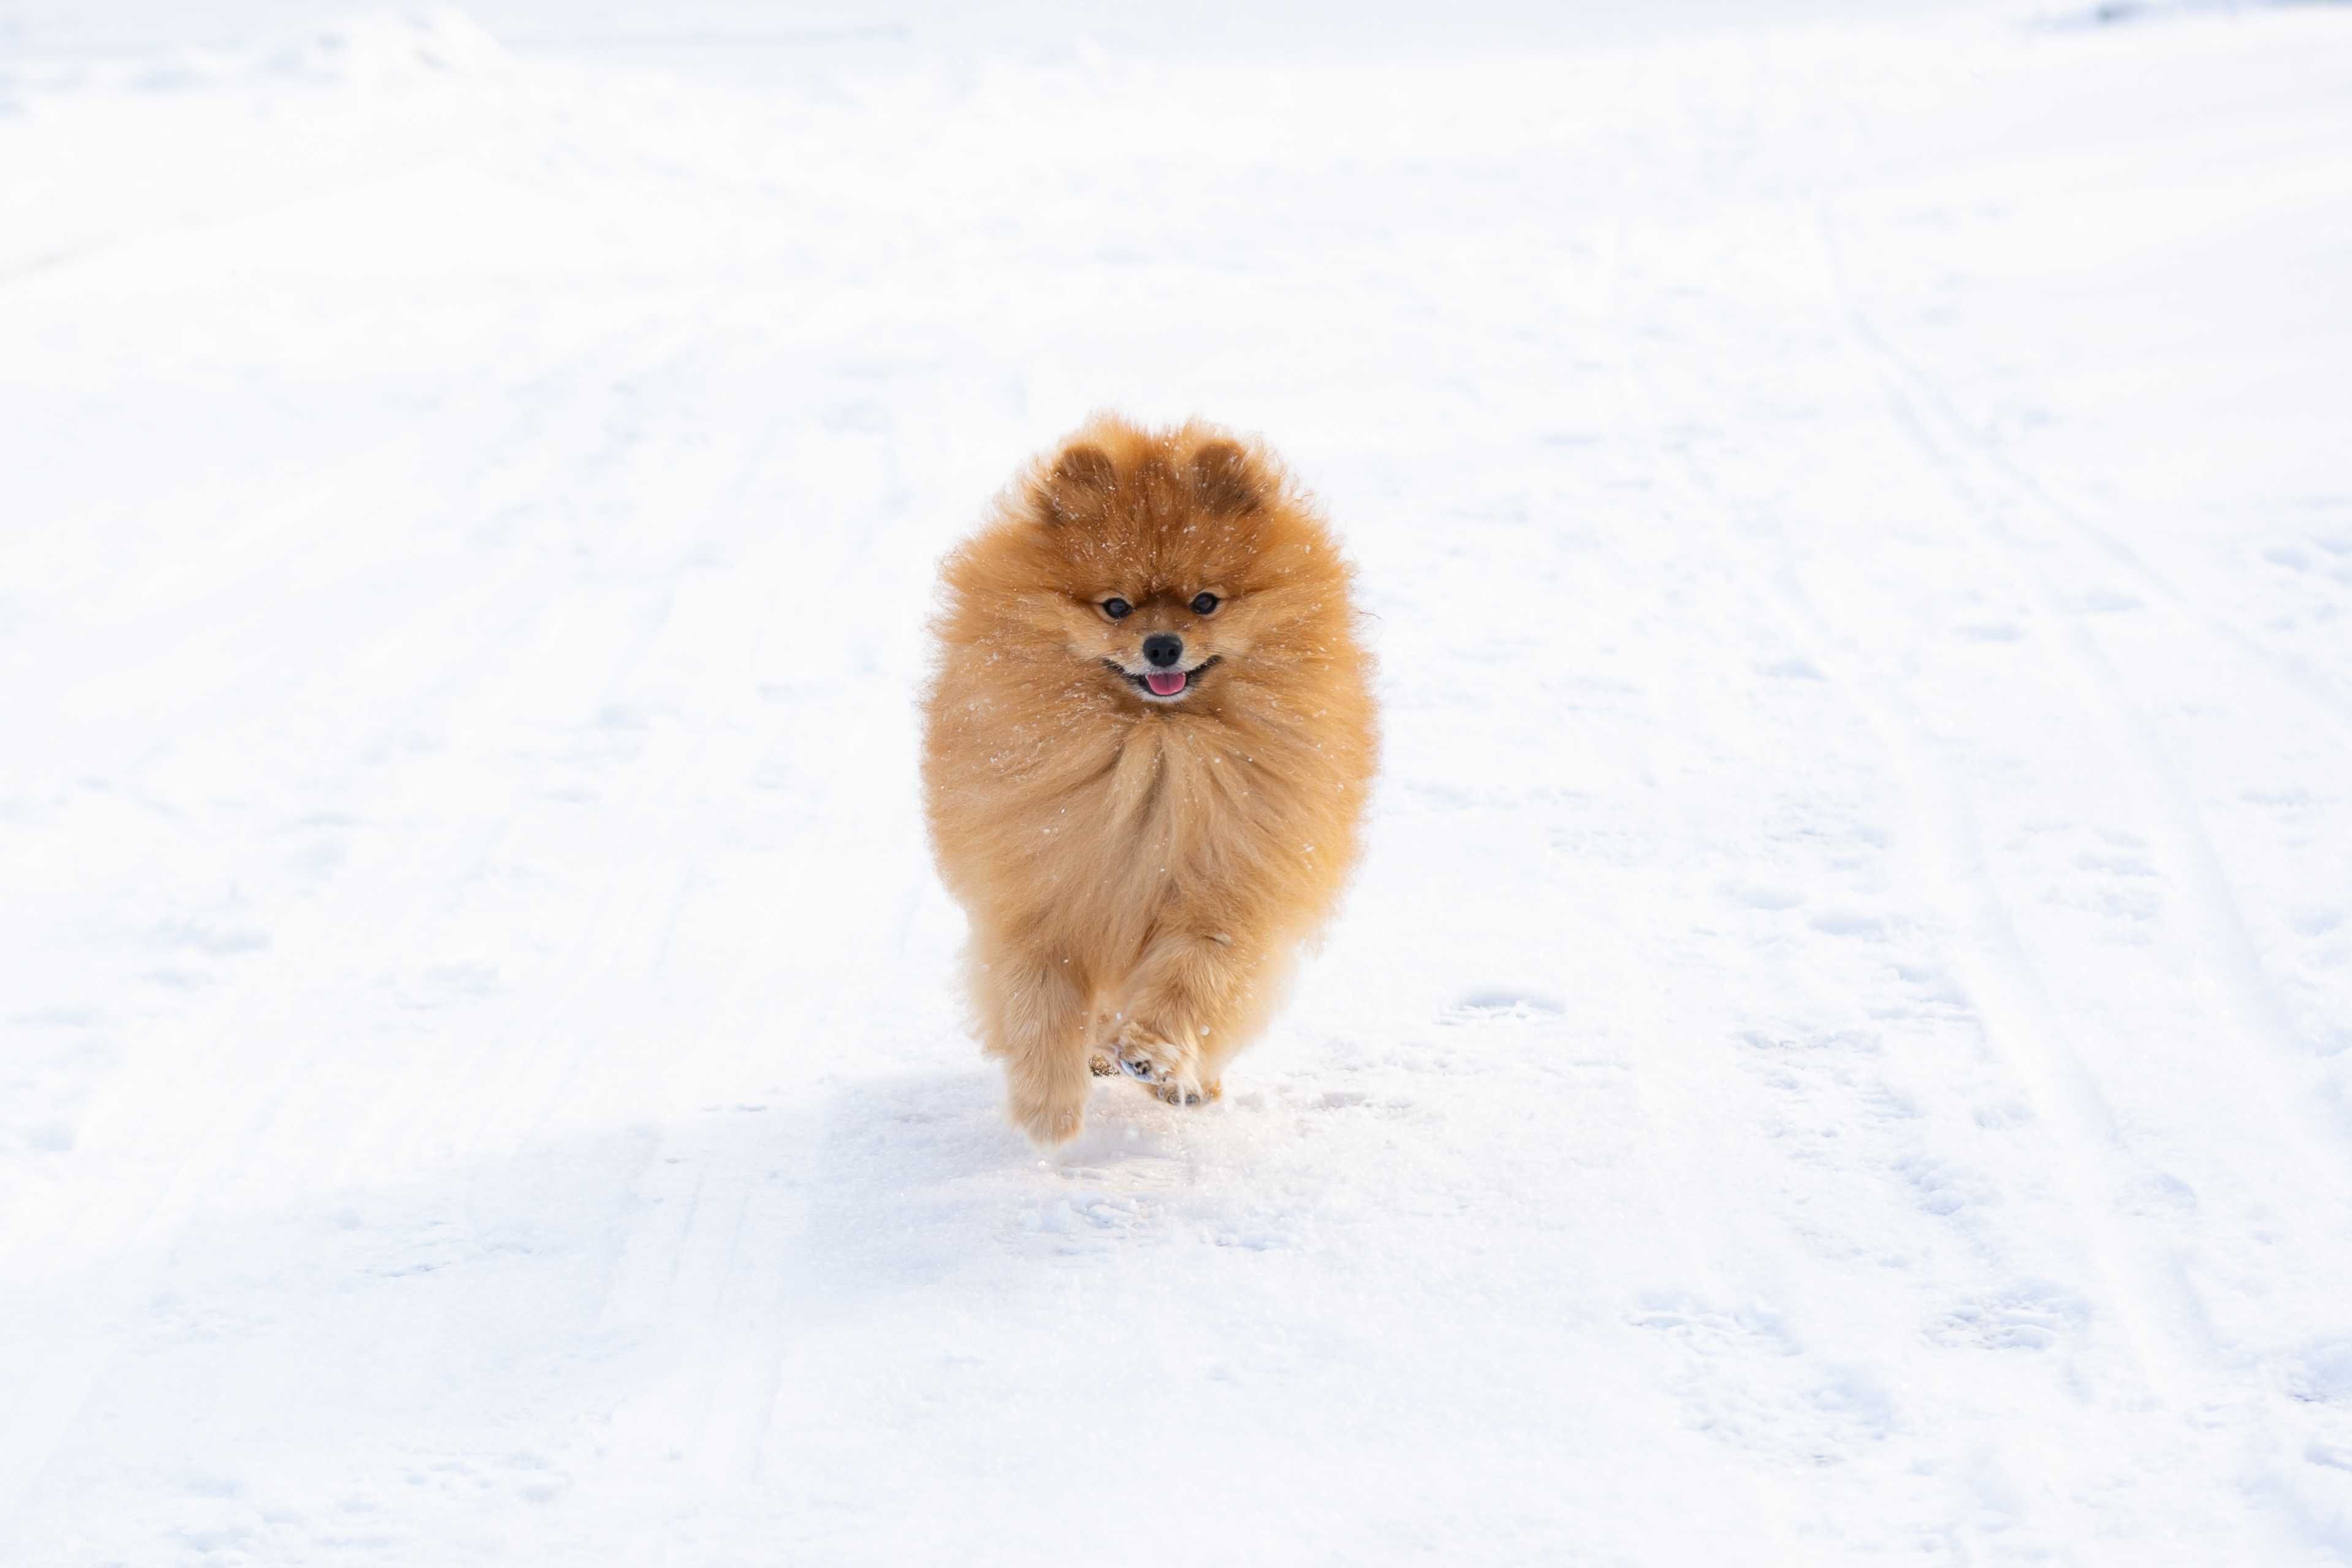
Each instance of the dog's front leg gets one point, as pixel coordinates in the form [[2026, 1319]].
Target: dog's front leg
[[1033, 1014], [1191, 1002]]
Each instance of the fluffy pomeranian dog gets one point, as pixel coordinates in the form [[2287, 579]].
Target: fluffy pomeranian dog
[[1149, 734]]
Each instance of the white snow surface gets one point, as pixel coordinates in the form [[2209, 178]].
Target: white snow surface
[[1841, 1047]]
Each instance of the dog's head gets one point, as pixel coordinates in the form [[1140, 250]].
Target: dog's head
[[1170, 564]]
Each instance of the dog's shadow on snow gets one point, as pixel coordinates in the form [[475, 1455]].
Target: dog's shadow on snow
[[922, 1174]]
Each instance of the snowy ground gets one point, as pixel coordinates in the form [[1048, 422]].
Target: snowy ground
[[1842, 1046]]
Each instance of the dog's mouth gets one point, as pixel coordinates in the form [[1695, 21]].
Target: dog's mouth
[[1163, 685]]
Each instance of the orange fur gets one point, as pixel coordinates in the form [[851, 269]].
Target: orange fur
[[1140, 874]]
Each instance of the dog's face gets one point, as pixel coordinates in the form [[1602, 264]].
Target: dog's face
[[1153, 655], [1170, 568], [1156, 561]]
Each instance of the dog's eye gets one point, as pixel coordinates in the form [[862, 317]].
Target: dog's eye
[[1118, 609], [1205, 603]]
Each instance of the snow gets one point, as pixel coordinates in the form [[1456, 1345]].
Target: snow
[[1842, 1046]]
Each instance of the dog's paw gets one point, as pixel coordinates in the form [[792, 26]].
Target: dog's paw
[[1147, 1055], [1178, 1094], [1046, 1123], [1102, 1066]]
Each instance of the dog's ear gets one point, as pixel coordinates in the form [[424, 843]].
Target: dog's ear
[[1224, 482], [1080, 481]]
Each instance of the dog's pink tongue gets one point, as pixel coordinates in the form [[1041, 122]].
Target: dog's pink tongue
[[1165, 683]]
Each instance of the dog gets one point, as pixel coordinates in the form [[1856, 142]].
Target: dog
[[1150, 735]]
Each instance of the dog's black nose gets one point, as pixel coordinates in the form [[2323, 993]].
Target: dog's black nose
[[1163, 648]]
